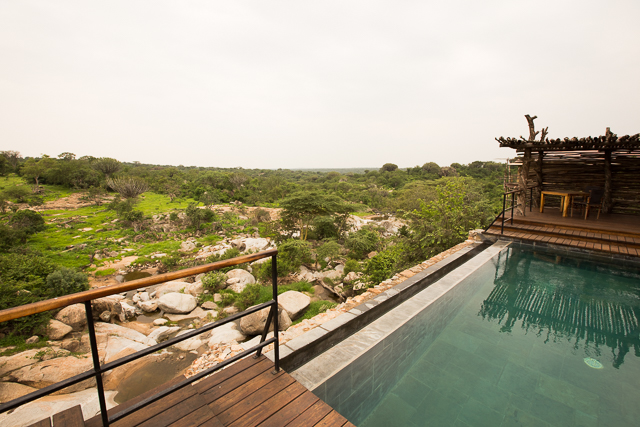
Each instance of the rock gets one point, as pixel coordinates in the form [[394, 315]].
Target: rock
[[100, 305], [245, 279], [339, 268], [141, 297], [187, 246], [169, 287], [238, 244], [119, 277], [56, 330], [225, 334], [117, 347], [295, 303], [372, 254], [148, 306], [75, 345], [10, 391], [210, 305], [195, 289], [350, 278], [74, 316], [331, 274], [255, 244], [124, 311], [189, 344], [254, 323], [255, 341], [163, 333], [42, 408], [106, 316], [197, 313], [17, 361], [43, 374], [160, 322], [217, 297], [176, 303], [232, 309], [111, 329], [34, 339], [200, 276]]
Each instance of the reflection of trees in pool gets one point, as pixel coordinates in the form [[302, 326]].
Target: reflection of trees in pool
[[561, 301]]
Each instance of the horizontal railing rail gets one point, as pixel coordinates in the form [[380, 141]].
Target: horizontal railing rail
[[87, 296], [512, 193]]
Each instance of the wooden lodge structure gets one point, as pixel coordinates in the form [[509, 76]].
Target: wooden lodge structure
[[608, 162]]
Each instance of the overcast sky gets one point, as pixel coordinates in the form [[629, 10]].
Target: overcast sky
[[302, 84]]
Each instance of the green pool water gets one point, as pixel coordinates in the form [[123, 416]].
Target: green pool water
[[541, 340]]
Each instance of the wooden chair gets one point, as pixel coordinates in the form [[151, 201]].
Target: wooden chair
[[592, 201]]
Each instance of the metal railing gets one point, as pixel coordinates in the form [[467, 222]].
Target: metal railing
[[87, 296], [501, 215]]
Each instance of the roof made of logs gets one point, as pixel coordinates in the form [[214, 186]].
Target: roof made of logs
[[608, 141]]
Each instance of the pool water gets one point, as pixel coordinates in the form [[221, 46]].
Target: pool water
[[543, 340]]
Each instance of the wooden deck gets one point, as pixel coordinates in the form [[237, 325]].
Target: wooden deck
[[613, 234], [247, 393]]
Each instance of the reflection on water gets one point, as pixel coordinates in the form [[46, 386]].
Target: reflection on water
[[135, 275], [589, 304]]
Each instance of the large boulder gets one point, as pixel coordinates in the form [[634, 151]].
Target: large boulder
[[57, 330], [43, 374], [163, 332], [110, 329], [225, 334], [148, 306], [118, 347], [238, 244], [244, 278], [294, 303], [195, 289], [74, 316], [254, 323], [10, 391], [169, 287], [191, 343], [197, 313], [187, 246], [253, 244], [17, 361], [177, 303], [125, 311], [100, 305]]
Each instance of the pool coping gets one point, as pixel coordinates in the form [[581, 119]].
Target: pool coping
[[304, 348], [317, 371]]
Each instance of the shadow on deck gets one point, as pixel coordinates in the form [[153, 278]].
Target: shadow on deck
[[247, 393]]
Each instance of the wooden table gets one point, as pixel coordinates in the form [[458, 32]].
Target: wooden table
[[566, 199]]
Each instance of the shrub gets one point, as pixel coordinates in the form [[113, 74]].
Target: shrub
[[28, 221], [351, 265], [128, 187], [197, 216], [214, 281], [315, 308], [330, 249], [324, 227], [382, 266], [228, 254], [66, 281], [18, 194], [10, 237], [107, 272], [362, 242], [291, 255]]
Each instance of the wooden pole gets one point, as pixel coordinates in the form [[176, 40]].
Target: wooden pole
[[607, 202], [538, 172], [523, 176]]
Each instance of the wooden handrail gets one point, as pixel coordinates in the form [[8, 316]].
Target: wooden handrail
[[52, 304]]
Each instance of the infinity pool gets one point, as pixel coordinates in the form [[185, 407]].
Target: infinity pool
[[535, 339]]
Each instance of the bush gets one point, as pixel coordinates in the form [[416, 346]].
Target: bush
[[128, 187], [28, 221], [324, 227], [330, 249], [351, 265], [362, 242], [17, 194], [228, 254], [10, 237], [66, 281], [382, 266], [196, 216], [214, 281], [291, 255], [315, 308]]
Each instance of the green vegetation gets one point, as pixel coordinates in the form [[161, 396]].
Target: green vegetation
[[315, 308]]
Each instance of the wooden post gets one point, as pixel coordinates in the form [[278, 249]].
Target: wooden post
[[538, 172], [523, 176], [607, 202]]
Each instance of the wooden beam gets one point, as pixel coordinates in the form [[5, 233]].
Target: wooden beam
[[607, 202]]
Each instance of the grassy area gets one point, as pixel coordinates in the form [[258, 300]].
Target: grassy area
[[152, 203], [315, 308], [20, 345]]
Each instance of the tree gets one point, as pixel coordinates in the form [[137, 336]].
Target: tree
[[13, 157], [36, 169], [129, 187], [67, 156], [107, 166], [388, 167], [300, 209]]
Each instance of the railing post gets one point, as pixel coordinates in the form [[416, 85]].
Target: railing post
[[96, 364], [504, 208], [276, 331], [513, 205], [531, 200]]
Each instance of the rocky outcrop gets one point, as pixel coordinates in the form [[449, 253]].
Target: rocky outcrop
[[194, 289], [43, 374], [57, 330], [225, 334], [295, 303], [191, 343], [74, 316], [176, 303], [100, 305], [163, 332], [17, 361], [10, 391], [124, 311], [238, 279], [254, 323], [169, 287], [110, 329]]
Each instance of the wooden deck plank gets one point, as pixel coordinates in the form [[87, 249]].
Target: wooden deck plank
[[229, 399], [42, 423], [236, 411], [157, 407], [333, 419], [214, 392], [291, 411], [229, 372], [201, 416], [71, 417], [270, 406], [176, 412], [312, 415]]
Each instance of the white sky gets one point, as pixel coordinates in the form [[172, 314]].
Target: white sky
[[295, 84]]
